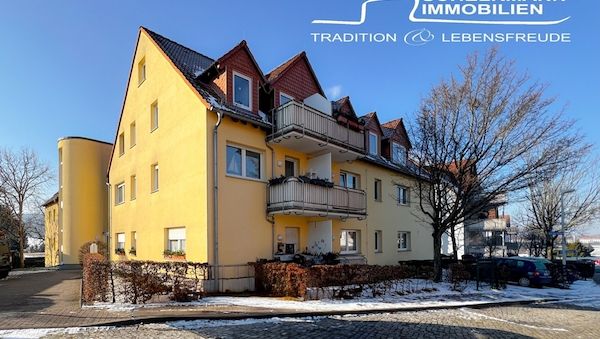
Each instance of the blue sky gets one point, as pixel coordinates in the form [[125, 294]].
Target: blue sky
[[64, 64]]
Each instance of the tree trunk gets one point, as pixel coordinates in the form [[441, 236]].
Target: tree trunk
[[454, 247], [437, 257], [21, 244]]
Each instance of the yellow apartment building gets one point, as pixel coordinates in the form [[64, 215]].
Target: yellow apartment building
[[215, 161]]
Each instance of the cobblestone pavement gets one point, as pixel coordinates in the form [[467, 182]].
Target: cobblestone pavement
[[537, 321]]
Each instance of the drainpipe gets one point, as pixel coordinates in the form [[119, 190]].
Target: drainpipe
[[216, 195], [109, 230], [272, 219]]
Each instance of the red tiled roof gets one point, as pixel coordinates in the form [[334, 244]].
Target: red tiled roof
[[280, 70]]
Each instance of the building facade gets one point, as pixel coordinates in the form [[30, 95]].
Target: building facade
[[220, 163]]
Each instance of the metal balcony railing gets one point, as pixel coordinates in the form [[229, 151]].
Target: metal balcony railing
[[306, 121], [303, 198]]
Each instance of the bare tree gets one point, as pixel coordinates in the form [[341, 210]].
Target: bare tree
[[480, 135], [542, 210], [23, 178]]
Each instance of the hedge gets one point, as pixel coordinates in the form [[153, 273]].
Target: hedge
[[139, 281], [293, 280]]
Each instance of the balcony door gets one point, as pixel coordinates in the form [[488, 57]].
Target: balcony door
[[292, 240], [291, 167]]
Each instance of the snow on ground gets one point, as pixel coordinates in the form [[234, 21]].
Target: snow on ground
[[29, 271], [582, 293], [41, 332]]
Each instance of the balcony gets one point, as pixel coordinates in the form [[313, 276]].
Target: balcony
[[489, 225], [294, 196], [302, 128]]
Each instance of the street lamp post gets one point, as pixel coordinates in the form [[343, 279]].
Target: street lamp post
[[562, 227]]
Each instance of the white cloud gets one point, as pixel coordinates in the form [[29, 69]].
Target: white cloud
[[334, 92]]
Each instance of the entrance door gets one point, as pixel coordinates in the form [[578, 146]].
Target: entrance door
[[292, 240]]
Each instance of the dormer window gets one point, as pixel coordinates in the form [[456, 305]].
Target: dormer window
[[398, 154], [242, 89], [284, 98], [373, 142]]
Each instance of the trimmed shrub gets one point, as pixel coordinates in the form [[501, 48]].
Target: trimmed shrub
[[85, 249], [458, 276], [293, 280], [95, 277], [139, 281]]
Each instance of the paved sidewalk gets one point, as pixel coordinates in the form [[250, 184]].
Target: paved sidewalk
[[51, 300]]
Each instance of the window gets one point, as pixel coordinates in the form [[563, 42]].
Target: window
[[349, 242], [153, 116], [120, 194], [284, 98], [242, 89], [132, 136], [120, 241], [403, 241], [154, 178], [378, 244], [349, 180], [134, 241], [377, 190], [121, 144], [176, 239], [133, 187], [398, 154], [373, 143], [244, 163], [141, 71], [291, 167], [403, 195]]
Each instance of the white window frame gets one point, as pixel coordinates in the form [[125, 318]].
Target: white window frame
[[376, 143], [120, 245], [132, 134], [407, 244], [120, 193], [154, 178], [249, 90], [398, 153], [406, 200], [133, 187], [121, 144], [344, 180], [181, 241], [283, 94], [378, 241], [154, 116], [377, 190], [142, 71], [344, 248], [243, 174]]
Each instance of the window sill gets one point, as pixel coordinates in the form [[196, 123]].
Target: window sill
[[121, 154], [153, 129], [405, 250], [245, 178], [350, 253], [119, 203], [242, 106], [132, 146], [154, 191], [378, 252], [141, 82]]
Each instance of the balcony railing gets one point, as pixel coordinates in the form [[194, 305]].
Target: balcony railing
[[489, 225], [293, 196], [306, 121]]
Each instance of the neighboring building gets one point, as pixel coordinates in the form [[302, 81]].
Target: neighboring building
[[214, 159], [491, 234], [81, 212], [51, 243], [592, 240]]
